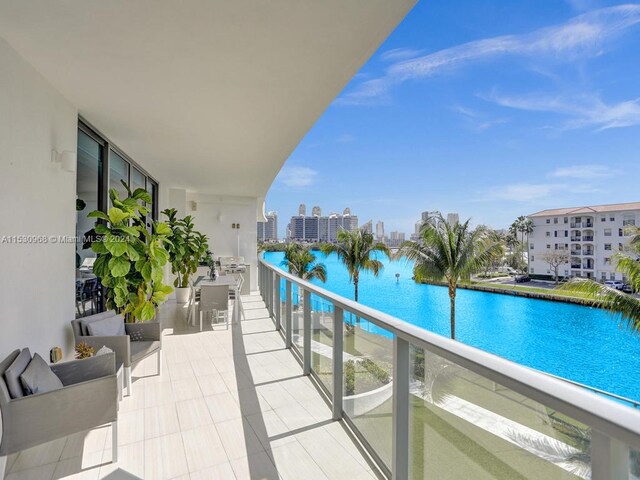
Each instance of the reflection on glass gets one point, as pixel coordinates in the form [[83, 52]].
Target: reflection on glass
[[297, 319], [368, 386], [463, 425], [138, 179], [118, 170], [322, 341], [87, 194]]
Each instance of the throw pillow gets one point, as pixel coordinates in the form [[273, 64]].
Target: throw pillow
[[39, 378], [107, 327], [103, 351], [12, 374]]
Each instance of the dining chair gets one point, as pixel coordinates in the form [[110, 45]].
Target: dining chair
[[214, 298]]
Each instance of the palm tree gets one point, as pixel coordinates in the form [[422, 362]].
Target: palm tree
[[354, 249], [612, 300], [300, 262], [450, 253]]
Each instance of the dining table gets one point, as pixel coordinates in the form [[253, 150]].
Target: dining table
[[228, 280]]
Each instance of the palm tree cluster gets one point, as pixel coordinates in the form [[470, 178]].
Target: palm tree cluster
[[356, 249], [521, 227], [627, 307], [300, 261], [451, 253]]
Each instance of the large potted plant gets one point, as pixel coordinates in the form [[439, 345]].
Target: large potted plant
[[186, 246], [130, 259]]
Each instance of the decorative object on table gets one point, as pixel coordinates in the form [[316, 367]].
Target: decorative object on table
[[84, 351], [103, 351], [126, 346], [55, 355], [130, 258], [186, 247]]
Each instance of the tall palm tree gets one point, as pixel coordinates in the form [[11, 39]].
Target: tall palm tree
[[627, 307], [300, 262], [450, 253], [355, 249]]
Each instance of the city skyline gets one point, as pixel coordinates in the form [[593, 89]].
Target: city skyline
[[489, 119]]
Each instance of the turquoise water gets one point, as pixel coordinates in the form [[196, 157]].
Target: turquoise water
[[579, 343]]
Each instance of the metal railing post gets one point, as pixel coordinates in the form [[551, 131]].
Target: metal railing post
[[278, 312], [270, 292], [261, 280], [609, 457], [338, 365], [273, 295], [400, 419], [306, 333], [288, 314]]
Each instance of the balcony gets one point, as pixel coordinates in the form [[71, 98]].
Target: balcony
[[576, 239], [229, 404], [483, 398], [587, 238]]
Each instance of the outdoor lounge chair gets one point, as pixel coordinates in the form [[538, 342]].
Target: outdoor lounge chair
[[135, 342], [88, 398]]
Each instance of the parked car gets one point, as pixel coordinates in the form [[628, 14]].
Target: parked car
[[617, 284], [626, 288], [522, 279]]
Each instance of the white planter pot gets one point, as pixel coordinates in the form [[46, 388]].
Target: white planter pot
[[182, 294]]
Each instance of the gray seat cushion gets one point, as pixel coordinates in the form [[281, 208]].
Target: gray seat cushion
[[12, 374], [140, 350], [107, 327], [39, 378], [94, 318]]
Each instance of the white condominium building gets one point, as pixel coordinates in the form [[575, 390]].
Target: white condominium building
[[590, 235]]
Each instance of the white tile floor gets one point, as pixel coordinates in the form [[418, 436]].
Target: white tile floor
[[230, 404]]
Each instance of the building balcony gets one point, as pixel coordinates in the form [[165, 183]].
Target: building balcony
[[576, 239], [587, 238], [575, 265], [575, 224], [229, 404]]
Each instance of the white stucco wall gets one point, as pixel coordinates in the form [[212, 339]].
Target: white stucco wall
[[37, 281], [214, 216]]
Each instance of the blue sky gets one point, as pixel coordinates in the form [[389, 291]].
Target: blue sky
[[488, 108]]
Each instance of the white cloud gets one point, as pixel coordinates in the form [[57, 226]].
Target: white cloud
[[397, 54], [584, 172], [585, 34], [478, 121], [297, 177], [583, 110], [533, 192]]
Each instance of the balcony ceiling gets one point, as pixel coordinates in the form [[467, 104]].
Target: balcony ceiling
[[212, 96]]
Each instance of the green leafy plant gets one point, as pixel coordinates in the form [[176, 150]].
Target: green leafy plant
[[186, 247], [130, 259]]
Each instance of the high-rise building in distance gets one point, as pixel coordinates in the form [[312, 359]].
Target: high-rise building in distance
[[395, 239], [380, 231], [453, 218], [302, 209], [268, 231], [367, 227], [318, 228]]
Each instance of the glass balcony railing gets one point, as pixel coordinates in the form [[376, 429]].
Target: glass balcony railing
[[587, 238], [425, 406], [576, 225]]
